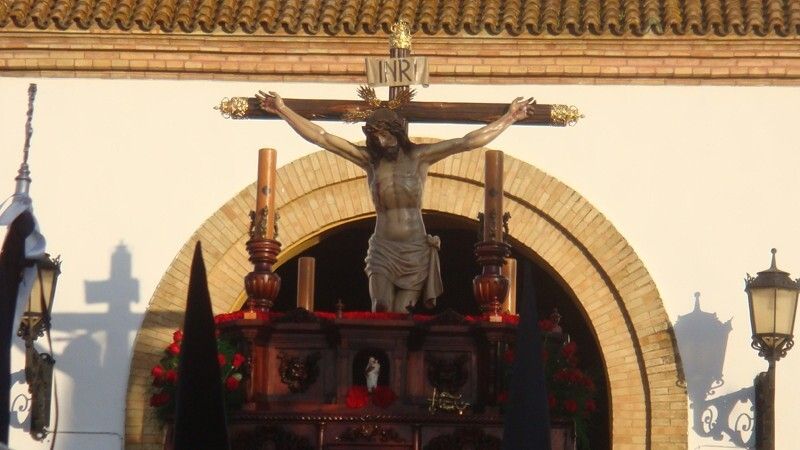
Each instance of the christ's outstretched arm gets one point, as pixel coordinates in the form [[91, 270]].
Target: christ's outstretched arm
[[518, 110], [273, 103]]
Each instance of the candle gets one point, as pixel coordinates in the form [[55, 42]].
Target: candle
[[509, 271], [305, 282], [265, 188], [493, 197]]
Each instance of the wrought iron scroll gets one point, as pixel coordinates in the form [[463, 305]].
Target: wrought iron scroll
[[728, 416]]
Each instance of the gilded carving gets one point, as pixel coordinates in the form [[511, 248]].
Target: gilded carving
[[373, 103], [233, 108], [258, 224], [401, 36], [565, 115], [442, 401], [297, 373]]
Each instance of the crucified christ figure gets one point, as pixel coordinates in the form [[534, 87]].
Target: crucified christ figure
[[402, 261]]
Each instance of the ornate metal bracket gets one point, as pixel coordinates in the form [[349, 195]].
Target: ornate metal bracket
[[506, 218], [258, 224], [39, 376], [297, 373], [775, 350]]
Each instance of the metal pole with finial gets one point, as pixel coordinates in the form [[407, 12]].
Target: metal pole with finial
[[23, 178]]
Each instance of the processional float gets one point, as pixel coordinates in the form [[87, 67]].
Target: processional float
[[479, 346]]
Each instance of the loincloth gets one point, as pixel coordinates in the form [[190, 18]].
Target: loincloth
[[411, 265]]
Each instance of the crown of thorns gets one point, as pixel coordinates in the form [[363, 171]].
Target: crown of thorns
[[373, 103]]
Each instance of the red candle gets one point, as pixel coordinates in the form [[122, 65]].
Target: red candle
[[493, 197], [265, 187]]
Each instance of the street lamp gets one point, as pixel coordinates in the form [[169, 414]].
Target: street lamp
[[41, 278], [36, 318], [35, 323], [772, 298]]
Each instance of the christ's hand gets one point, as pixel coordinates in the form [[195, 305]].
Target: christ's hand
[[520, 108], [271, 102]]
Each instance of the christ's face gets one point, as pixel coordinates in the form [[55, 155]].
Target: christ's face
[[381, 133]]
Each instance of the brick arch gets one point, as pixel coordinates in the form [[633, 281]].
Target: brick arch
[[610, 283]]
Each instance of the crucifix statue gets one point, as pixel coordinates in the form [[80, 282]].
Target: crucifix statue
[[402, 262]]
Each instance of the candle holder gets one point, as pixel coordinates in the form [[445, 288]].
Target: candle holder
[[262, 284], [339, 309], [491, 287]]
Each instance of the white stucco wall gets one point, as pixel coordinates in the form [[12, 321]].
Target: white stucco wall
[[702, 181]]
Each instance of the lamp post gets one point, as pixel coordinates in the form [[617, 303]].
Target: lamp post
[[35, 320], [772, 298], [35, 323]]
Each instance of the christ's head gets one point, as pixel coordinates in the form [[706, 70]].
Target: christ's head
[[386, 134]]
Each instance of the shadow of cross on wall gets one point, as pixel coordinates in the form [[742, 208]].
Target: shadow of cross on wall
[[95, 357], [120, 290]]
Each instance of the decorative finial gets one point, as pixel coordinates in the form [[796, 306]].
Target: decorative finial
[[697, 301], [23, 178], [401, 35], [774, 251], [233, 108], [565, 115]]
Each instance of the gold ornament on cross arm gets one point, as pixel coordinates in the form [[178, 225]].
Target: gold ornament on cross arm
[[372, 103], [401, 36], [234, 107], [565, 115]]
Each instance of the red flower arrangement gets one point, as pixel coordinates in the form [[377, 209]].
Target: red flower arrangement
[[165, 375], [570, 391], [358, 397]]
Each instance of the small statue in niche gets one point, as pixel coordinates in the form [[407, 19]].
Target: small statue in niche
[[372, 371]]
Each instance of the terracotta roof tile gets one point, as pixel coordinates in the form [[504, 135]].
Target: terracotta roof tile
[[428, 17], [591, 17]]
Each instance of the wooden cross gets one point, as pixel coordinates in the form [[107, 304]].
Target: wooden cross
[[418, 112]]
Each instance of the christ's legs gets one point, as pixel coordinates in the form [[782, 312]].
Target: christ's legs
[[381, 291], [404, 299], [386, 297]]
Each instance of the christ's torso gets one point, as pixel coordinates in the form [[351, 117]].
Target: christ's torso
[[396, 188]]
